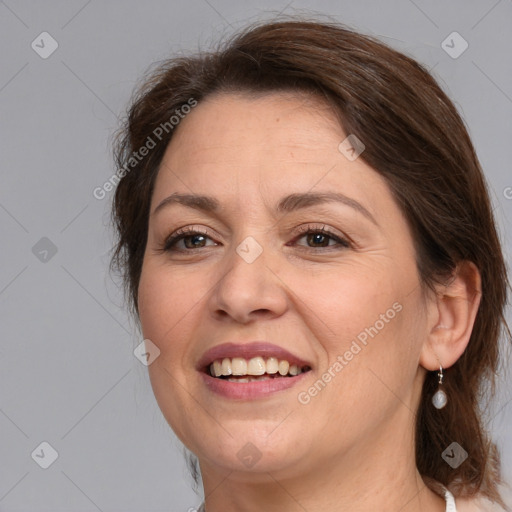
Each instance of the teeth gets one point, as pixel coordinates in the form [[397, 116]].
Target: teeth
[[264, 377], [256, 366], [283, 367], [239, 366], [294, 370], [272, 365], [216, 368], [226, 366], [253, 368], [249, 378]]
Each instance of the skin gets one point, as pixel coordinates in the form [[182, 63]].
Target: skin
[[352, 446]]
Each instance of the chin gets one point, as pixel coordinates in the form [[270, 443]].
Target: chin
[[250, 451]]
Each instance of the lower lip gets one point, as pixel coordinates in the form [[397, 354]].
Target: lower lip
[[250, 390]]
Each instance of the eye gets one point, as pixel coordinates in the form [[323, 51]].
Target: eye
[[187, 239], [318, 238]]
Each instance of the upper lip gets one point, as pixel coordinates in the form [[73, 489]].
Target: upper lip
[[248, 351]]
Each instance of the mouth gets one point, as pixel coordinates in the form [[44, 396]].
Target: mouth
[[252, 370], [241, 370]]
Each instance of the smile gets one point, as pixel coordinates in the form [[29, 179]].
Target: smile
[[238, 369]]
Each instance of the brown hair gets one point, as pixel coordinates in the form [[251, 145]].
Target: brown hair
[[414, 138]]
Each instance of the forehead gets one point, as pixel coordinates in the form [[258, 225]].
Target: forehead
[[273, 121], [275, 143]]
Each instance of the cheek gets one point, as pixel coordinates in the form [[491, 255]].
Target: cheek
[[165, 297], [343, 303], [362, 322], [169, 308], [169, 305]]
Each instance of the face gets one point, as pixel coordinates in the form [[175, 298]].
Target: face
[[297, 254]]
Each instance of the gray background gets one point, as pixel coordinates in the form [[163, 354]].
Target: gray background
[[67, 371]]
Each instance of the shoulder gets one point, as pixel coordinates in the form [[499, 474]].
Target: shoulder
[[477, 505], [481, 504]]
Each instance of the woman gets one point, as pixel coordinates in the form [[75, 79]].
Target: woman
[[307, 240]]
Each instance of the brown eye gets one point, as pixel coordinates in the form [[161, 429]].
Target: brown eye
[[321, 238], [194, 241], [187, 240], [318, 240]]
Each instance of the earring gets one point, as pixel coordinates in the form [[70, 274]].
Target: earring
[[440, 399]]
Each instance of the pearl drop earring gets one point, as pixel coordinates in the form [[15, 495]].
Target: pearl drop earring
[[440, 398]]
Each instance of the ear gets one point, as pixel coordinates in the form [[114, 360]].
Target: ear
[[451, 317]]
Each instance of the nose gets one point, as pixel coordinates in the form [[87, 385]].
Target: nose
[[248, 290]]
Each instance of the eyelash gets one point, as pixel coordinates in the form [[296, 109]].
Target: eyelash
[[171, 241]]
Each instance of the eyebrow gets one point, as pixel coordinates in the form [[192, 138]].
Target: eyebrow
[[289, 203]]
